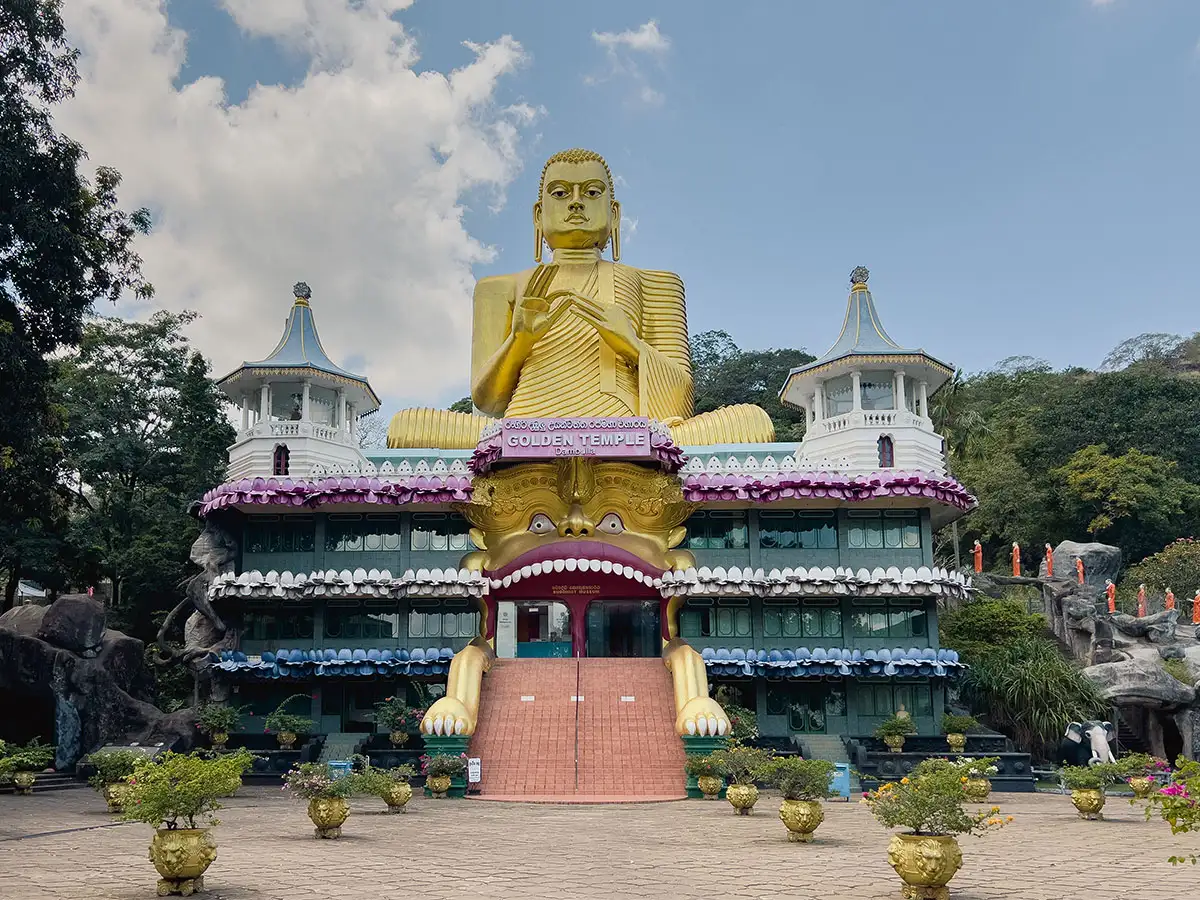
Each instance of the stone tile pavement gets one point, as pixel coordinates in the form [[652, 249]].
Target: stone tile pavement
[[64, 846]]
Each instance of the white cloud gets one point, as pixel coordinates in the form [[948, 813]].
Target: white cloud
[[352, 180], [623, 49]]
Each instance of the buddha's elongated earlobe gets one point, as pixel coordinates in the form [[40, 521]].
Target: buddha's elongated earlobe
[[616, 231], [537, 232]]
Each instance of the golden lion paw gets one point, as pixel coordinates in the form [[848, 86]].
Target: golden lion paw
[[447, 716], [702, 715]]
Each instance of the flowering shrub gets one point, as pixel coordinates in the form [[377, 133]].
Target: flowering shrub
[[312, 781], [703, 767], [443, 764], [1179, 803], [952, 724], [393, 714], [798, 778], [1142, 765], [743, 723], [981, 768], [217, 717], [33, 757], [176, 790], [930, 801]]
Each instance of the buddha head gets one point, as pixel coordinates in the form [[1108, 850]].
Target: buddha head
[[576, 207], [571, 509]]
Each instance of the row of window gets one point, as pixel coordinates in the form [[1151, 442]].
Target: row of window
[[291, 622], [808, 706], [899, 618], [711, 530], [348, 534]]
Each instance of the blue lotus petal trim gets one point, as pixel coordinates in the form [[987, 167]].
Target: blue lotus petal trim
[[328, 662], [805, 662]]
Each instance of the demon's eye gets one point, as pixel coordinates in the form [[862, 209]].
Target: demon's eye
[[611, 524], [541, 524]]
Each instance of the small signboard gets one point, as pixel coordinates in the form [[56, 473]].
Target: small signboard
[[615, 438], [474, 770]]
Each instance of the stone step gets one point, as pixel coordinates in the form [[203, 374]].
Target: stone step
[[572, 728]]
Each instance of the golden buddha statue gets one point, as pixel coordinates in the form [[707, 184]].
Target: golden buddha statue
[[580, 336]]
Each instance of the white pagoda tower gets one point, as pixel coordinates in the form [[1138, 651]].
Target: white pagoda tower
[[867, 398], [299, 408]]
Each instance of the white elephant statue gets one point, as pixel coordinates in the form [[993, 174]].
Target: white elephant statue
[[1087, 743]]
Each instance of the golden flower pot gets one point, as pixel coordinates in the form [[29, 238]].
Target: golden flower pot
[[114, 796], [710, 786], [1089, 802], [398, 738], [23, 782], [286, 739], [438, 785], [328, 814], [895, 742], [957, 742], [742, 797], [397, 796], [181, 856], [218, 739], [925, 863], [801, 817], [977, 789], [1141, 785]]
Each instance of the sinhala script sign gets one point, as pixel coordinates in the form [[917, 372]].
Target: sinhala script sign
[[623, 438]]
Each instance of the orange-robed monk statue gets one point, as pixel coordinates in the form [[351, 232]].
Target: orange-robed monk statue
[[580, 336]]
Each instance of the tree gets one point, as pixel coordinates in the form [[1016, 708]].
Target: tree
[[723, 374], [974, 629], [1176, 566], [63, 244], [1153, 347], [1136, 500], [465, 405], [145, 436]]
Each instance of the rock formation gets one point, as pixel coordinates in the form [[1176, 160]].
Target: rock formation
[[95, 678]]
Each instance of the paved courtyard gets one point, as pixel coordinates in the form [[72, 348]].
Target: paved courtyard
[[65, 845]]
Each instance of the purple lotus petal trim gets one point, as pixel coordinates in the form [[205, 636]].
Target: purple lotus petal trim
[[788, 485], [360, 489]]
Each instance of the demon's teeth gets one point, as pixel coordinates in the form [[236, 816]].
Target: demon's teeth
[[515, 577], [527, 571], [606, 566], [570, 564], [496, 584], [536, 569], [639, 576], [506, 581], [627, 571], [560, 565]]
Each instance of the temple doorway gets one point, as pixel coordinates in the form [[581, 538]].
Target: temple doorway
[[533, 629], [623, 628]]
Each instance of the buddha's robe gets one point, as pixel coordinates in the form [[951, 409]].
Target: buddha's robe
[[572, 372]]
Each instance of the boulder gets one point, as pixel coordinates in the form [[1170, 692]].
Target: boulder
[[25, 619], [1141, 681], [74, 622], [1100, 562]]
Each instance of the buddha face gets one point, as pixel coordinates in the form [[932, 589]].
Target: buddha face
[[615, 516], [576, 210]]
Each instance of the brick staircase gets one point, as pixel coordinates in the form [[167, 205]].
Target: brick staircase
[[616, 742]]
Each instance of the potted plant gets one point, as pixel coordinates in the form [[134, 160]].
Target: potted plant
[[892, 731], [112, 769], [804, 784], [178, 795], [217, 720], [742, 765], [22, 764], [286, 726], [440, 770], [326, 796], [929, 804], [1139, 771], [389, 785], [709, 775], [955, 728], [1087, 784], [400, 719], [979, 772]]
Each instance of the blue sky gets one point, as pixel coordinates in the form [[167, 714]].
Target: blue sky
[[1020, 177]]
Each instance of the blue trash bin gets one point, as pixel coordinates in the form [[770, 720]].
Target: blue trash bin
[[841, 780], [339, 767]]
